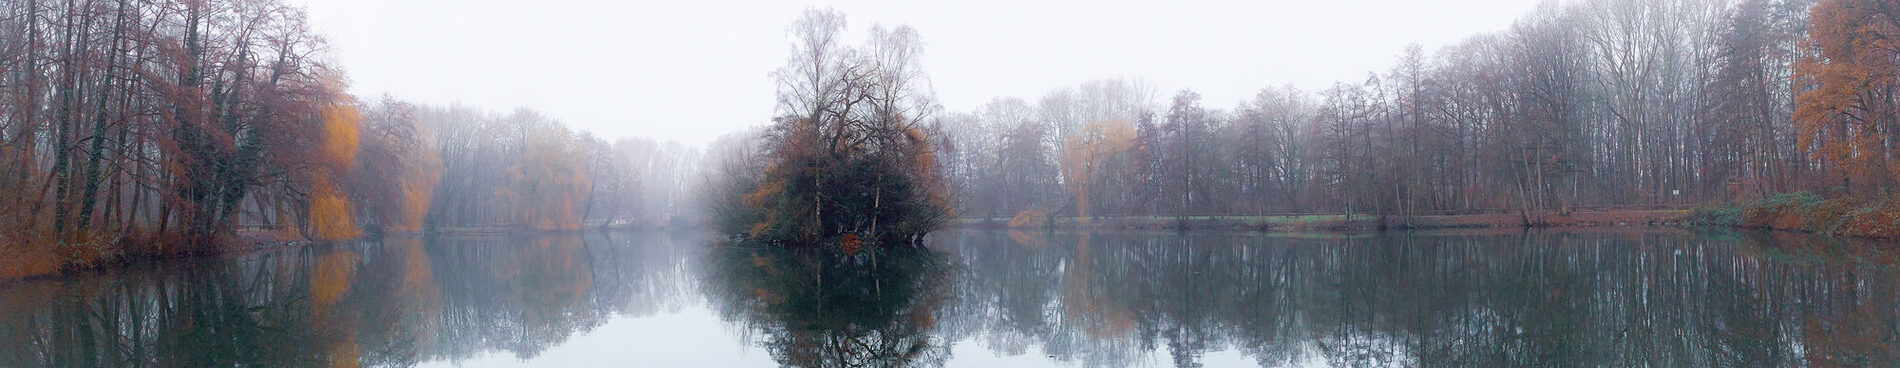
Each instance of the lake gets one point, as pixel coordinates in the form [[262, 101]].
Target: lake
[[1481, 298]]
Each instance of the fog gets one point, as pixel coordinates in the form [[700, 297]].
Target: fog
[[672, 70], [394, 183], [335, 118]]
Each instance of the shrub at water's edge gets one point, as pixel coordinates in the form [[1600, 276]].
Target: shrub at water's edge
[[1874, 217]]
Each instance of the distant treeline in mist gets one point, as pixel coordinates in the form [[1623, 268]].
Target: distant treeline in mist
[[161, 126], [1588, 103]]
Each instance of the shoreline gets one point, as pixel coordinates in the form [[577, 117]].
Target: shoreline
[[19, 269], [44, 263], [1357, 222], [1804, 212]]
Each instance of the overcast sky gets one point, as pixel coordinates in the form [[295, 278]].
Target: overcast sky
[[691, 71]]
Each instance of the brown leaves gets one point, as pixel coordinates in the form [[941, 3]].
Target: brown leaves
[[1845, 115], [851, 244]]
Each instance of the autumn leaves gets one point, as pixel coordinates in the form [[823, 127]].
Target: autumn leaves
[[1849, 110], [160, 127], [550, 183], [330, 217]]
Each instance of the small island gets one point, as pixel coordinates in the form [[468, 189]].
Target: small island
[[848, 162]]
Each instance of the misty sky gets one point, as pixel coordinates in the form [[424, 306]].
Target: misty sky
[[691, 71]]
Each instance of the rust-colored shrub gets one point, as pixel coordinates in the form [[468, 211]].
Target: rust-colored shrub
[[1029, 218], [1781, 212], [1827, 216], [1876, 220], [851, 244], [1807, 212], [1757, 217], [1787, 220], [27, 261]]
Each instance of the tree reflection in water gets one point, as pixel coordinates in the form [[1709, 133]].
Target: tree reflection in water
[[1468, 299], [823, 308], [391, 302], [1652, 298]]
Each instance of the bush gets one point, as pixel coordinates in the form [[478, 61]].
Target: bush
[[1724, 215], [1780, 211], [1807, 212], [1880, 219]]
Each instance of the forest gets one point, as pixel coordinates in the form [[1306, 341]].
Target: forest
[[1579, 104], [1585, 104], [148, 127], [151, 127]]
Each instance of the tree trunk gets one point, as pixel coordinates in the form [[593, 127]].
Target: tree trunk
[[97, 151]]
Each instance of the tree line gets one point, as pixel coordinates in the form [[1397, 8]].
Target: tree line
[[134, 127], [1588, 103]]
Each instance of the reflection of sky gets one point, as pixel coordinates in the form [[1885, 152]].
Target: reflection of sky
[[695, 337], [973, 355], [1225, 299], [692, 337]]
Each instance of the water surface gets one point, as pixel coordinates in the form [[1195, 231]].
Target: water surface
[[1655, 297]]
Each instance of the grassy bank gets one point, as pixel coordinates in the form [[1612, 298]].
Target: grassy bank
[[1807, 212], [1341, 222]]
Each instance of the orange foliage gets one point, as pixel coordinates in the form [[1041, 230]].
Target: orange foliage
[[418, 190], [417, 276], [332, 277], [27, 261], [345, 355], [417, 291], [757, 199], [329, 280], [760, 227], [851, 244], [546, 255], [766, 190], [1843, 115], [550, 184], [1084, 154], [1879, 220], [330, 218], [1088, 302], [340, 122], [1029, 218], [1025, 239], [923, 165]]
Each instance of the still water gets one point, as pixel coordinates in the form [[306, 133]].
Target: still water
[[1620, 298]]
